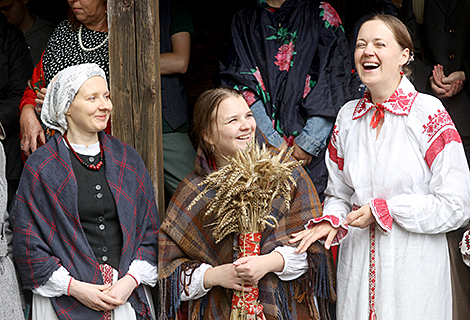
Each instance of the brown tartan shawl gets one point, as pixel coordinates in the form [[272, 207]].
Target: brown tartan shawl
[[185, 241]]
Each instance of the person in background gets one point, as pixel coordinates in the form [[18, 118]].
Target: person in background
[[441, 36], [86, 219], [193, 267], [292, 61], [82, 38], [10, 306], [175, 47], [36, 30], [398, 182], [15, 70]]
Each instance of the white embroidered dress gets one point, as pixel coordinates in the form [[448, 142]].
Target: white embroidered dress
[[415, 177]]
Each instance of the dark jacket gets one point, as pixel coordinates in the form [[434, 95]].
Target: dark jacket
[[15, 70], [443, 38]]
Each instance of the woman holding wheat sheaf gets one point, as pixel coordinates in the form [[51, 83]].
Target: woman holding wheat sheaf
[[199, 255]]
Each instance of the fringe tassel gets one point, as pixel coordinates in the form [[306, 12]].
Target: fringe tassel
[[321, 272], [282, 301], [169, 295]]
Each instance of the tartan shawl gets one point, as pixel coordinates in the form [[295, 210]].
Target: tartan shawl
[[185, 241], [47, 229]]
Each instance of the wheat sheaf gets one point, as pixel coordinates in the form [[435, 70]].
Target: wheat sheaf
[[246, 189]]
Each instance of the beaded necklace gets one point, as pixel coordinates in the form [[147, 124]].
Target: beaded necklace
[[88, 166], [81, 43]]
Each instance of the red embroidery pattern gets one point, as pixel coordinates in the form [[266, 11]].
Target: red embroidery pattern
[[372, 274], [335, 222], [382, 214], [248, 245], [307, 88], [436, 123], [446, 137], [330, 14], [107, 272], [333, 151], [284, 56], [399, 103]]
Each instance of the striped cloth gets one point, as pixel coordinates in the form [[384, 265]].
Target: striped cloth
[[185, 241]]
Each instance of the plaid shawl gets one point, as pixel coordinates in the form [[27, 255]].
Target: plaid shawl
[[47, 228], [185, 240]]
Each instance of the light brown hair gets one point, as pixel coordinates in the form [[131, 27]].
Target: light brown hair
[[204, 115], [401, 34]]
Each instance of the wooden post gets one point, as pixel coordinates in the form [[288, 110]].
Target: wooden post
[[135, 83]]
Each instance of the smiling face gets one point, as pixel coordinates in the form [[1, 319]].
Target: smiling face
[[379, 58], [90, 109], [233, 128], [88, 11]]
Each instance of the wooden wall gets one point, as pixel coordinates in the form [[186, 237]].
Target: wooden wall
[[135, 82]]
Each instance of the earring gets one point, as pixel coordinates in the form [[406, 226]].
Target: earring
[[212, 148], [353, 71], [401, 72]]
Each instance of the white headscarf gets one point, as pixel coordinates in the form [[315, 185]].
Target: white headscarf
[[62, 90]]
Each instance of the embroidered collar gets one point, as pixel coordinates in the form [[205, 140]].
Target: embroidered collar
[[399, 103]]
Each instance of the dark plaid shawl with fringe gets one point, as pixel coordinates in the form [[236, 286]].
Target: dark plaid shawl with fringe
[[48, 232], [185, 241]]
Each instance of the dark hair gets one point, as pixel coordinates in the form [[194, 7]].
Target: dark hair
[[401, 34], [204, 115]]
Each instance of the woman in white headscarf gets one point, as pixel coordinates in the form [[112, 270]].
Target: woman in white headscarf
[[86, 222]]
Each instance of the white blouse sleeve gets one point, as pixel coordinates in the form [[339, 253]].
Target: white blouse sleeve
[[196, 286], [56, 286], [447, 205], [295, 264], [338, 193], [143, 272]]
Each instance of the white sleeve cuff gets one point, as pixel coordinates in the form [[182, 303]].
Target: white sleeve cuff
[[196, 286], [143, 272], [56, 286], [295, 264]]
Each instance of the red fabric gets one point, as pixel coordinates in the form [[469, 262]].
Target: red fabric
[[249, 245]]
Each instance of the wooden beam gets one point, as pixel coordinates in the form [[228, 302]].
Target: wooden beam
[[135, 82]]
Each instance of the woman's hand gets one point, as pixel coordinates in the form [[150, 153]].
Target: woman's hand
[[446, 87], [31, 130], [252, 269], [309, 236], [40, 99], [300, 154], [122, 289], [361, 218], [224, 276], [93, 295]]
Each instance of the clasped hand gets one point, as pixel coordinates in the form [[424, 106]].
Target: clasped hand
[[245, 271], [103, 297], [446, 86]]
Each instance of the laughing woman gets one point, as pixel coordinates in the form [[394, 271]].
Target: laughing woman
[[193, 267], [86, 222], [398, 181]]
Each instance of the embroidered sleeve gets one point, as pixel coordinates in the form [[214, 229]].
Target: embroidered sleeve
[[333, 149], [465, 247], [381, 214], [441, 204], [440, 131], [335, 222]]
